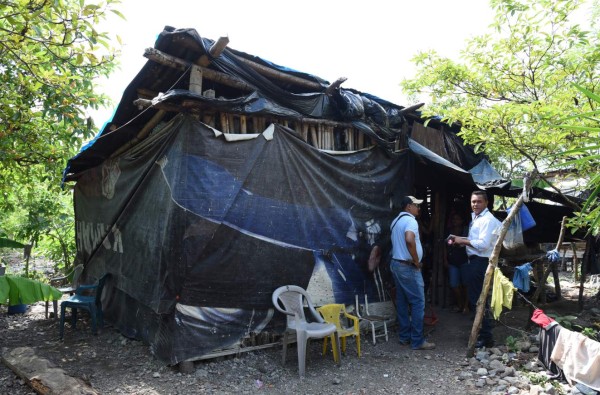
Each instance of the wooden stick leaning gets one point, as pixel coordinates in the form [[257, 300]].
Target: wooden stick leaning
[[493, 263], [542, 281]]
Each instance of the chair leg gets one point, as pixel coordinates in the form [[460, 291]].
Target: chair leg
[[62, 321], [385, 329], [336, 349], [344, 344], [373, 332], [285, 344], [301, 342], [74, 318], [94, 321], [55, 307], [325, 344], [47, 309], [357, 337]]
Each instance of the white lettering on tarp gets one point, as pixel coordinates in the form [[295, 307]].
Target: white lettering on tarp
[[117, 240], [90, 235]]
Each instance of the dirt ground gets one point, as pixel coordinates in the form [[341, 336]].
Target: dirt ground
[[113, 364]]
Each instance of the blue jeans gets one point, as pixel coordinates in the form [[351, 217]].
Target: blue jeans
[[473, 274], [454, 276], [409, 294]]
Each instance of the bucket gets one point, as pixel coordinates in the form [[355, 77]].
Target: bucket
[[527, 221], [17, 309]]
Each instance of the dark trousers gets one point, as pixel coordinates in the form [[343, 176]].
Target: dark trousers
[[473, 274]]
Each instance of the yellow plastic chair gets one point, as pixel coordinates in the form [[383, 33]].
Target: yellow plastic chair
[[332, 313]]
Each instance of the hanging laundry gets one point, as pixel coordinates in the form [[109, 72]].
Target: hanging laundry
[[521, 277], [553, 256], [579, 358], [548, 336], [502, 293], [540, 318]]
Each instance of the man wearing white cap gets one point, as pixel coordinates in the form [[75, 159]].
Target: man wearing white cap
[[407, 253]]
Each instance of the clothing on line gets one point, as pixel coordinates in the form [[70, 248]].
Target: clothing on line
[[548, 336], [521, 277], [540, 318], [579, 358], [502, 293]]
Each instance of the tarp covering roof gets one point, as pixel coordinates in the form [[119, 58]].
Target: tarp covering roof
[[375, 117]]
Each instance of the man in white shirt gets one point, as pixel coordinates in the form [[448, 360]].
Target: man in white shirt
[[479, 244], [407, 253]]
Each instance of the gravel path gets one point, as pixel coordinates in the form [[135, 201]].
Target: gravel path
[[113, 364]]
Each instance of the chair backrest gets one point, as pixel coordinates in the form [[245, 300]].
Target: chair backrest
[[101, 284], [293, 298], [332, 313], [77, 270]]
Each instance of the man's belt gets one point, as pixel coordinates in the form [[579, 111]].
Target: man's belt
[[404, 261], [477, 256]]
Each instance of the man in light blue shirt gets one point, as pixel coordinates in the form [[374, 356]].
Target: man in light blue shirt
[[479, 244], [407, 253]]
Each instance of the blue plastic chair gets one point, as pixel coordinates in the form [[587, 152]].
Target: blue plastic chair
[[81, 300]]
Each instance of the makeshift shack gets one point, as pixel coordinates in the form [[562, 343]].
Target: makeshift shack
[[223, 176]]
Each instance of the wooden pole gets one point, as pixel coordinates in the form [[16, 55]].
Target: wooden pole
[[215, 51], [542, 280], [180, 64], [575, 261], [333, 87], [584, 263], [141, 134], [493, 263], [196, 80]]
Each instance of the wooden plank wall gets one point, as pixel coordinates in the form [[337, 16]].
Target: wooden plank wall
[[319, 135]]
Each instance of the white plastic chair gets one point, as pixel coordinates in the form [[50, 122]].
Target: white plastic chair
[[371, 319], [293, 299]]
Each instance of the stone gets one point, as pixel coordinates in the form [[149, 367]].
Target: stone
[[508, 372], [523, 345], [186, 367], [464, 375], [499, 366], [481, 355], [535, 390], [482, 372]]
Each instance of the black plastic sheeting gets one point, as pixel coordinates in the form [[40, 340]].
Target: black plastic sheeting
[[375, 117], [198, 232]]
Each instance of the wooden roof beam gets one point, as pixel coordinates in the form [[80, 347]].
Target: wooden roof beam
[[180, 64], [280, 76], [215, 51], [195, 106], [331, 88]]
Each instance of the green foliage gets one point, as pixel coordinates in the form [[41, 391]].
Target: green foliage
[[588, 160], [512, 85], [511, 344], [565, 321], [50, 55]]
